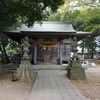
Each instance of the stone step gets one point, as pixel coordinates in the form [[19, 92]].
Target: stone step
[[49, 67]]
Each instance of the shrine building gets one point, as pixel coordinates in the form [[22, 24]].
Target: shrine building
[[50, 41]]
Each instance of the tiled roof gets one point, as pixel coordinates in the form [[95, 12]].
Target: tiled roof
[[60, 27]]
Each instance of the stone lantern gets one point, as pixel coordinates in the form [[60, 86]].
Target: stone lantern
[[24, 70], [75, 70]]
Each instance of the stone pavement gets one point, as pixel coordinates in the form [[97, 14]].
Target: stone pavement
[[53, 85]]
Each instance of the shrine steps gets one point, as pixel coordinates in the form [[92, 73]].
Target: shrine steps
[[49, 67]]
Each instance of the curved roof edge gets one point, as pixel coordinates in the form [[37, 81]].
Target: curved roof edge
[[46, 26]]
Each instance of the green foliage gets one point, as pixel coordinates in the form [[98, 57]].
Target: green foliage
[[54, 17], [12, 47], [84, 20], [28, 11], [90, 19], [91, 23], [12, 51]]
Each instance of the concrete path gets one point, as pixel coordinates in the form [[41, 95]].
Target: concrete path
[[53, 85]]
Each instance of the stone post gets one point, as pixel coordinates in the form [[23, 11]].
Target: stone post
[[75, 70]]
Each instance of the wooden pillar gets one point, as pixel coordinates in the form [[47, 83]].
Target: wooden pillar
[[35, 53], [60, 54]]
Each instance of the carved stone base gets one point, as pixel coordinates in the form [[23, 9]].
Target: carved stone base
[[76, 73], [25, 72]]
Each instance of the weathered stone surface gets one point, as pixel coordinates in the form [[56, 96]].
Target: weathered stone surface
[[25, 72], [76, 64], [76, 73]]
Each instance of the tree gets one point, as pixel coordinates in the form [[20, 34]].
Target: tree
[[92, 23], [15, 12], [85, 20], [29, 11]]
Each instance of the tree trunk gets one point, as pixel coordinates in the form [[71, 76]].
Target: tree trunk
[[88, 55], [83, 49], [92, 53], [2, 54]]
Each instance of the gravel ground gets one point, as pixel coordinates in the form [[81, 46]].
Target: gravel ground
[[13, 90], [91, 89], [91, 86]]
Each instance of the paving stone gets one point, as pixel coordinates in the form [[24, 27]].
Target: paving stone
[[52, 85]]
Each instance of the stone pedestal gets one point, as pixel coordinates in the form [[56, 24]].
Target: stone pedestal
[[75, 71], [25, 72]]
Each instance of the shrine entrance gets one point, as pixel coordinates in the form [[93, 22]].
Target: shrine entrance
[[47, 56], [47, 52], [51, 51]]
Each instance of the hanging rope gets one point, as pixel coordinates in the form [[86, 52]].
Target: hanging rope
[[47, 46]]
